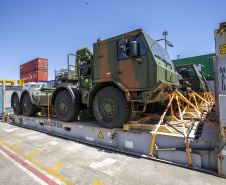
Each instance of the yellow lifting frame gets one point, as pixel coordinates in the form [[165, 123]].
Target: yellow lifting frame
[[171, 97], [204, 100], [158, 125], [210, 95], [184, 99], [197, 108], [20, 82], [185, 134]]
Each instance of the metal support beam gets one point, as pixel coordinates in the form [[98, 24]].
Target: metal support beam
[[3, 98], [220, 46]]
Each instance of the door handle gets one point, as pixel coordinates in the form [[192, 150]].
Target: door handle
[[139, 61]]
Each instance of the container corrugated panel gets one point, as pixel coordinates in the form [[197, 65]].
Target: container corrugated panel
[[36, 64], [206, 60], [29, 66], [35, 76], [42, 75]]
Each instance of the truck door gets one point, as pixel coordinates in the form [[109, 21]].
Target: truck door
[[133, 71]]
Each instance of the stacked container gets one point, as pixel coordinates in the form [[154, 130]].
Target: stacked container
[[34, 71]]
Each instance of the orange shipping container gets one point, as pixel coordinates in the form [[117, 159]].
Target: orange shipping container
[[42, 75], [35, 76]]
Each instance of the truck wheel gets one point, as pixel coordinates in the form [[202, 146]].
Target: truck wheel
[[110, 108], [17, 108], [65, 109], [29, 109]]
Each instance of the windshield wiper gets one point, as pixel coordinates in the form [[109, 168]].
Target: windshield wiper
[[162, 59]]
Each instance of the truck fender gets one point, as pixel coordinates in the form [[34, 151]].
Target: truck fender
[[30, 95], [74, 92]]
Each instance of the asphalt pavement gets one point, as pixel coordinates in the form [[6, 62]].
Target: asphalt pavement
[[30, 157]]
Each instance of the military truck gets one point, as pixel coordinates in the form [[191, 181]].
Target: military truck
[[191, 78], [121, 76]]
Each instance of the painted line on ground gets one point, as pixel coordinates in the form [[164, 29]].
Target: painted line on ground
[[10, 130], [96, 181], [35, 152], [53, 171], [35, 174], [23, 168], [103, 164]]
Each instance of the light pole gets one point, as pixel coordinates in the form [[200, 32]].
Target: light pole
[[164, 33], [166, 41]]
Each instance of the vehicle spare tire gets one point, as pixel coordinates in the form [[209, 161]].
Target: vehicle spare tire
[[110, 107], [29, 109], [17, 107], [65, 109]]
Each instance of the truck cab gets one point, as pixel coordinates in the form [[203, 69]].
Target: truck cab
[[190, 74], [134, 62]]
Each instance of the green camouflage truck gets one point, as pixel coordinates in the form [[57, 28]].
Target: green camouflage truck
[[121, 76], [191, 78]]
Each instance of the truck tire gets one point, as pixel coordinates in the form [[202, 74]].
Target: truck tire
[[65, 109], [17, 107], [110, 108], [29, 109]]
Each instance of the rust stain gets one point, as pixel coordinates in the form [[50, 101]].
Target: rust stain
[[127, 93], [131, 33]]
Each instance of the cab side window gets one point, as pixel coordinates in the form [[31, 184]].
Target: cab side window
[[186, 72], [141, 48]]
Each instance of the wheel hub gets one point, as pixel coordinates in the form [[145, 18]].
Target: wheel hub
[[15, 102], [64, 105], [26, 104], [109, 107]]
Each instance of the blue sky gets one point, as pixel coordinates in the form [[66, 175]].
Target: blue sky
[[53, 28]]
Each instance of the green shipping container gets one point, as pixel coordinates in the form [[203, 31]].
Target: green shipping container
[[206, 60]]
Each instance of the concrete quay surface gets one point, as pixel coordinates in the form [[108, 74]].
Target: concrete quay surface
[[30, 157]]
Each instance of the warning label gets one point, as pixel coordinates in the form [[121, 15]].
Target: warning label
[[223, 49], [100, 135]]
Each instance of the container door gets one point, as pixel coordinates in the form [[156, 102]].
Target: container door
[[42, 75]]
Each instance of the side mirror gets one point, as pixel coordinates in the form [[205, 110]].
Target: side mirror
[[133, 48]]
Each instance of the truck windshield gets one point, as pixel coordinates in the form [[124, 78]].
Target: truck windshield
[[158, 51]]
